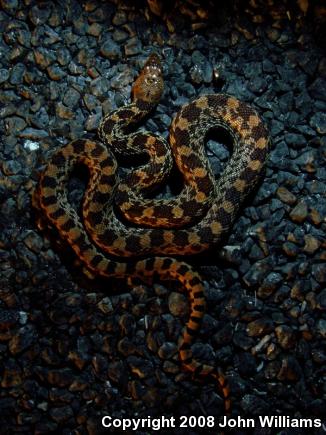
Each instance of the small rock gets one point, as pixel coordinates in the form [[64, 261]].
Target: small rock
[[43, 57], [286, 196], [9, 5], [4, 75], [99, 87], [41, 118], [71, 98], [140, 366], [318, 122], [317, 89], [23, 339], [91, 102], [79, 359], [14, 124], [126, 347], [270, 284], [299, 213], [80, 26], [321, 327], [39, 15], [11, 167], [285, 336], [61, 414], [56, 377], [133, 46], [100, 365], [105, 305], [33, 241], [75, 69], [63, 56], [178, 304], [110, 49], [290, 370], [119, 35], [51, 36], [11, 374], [321, 300], [311, 244], [94, 29], [196, 74], [17, 73], [64, 112], [295, 140], [254, 405], [55, 72], [121, 80], [257, 85], [256, 273], [167, 350], [290, 249], [93, 121], [246, 364], [319, 272], [127, 324], [8, 319], [119, 18], [259, 327], [33, 133]]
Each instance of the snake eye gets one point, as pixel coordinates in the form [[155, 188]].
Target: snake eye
[[151, 80]]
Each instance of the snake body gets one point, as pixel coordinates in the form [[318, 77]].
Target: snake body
[[120, 220]]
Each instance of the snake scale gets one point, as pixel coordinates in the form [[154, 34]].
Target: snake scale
[[121, 219]]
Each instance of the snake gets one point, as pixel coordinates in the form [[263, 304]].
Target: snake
[[124, 229]]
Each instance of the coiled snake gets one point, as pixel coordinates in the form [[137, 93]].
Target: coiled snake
[[120, 220]]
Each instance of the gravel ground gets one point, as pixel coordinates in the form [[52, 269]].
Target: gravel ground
[[73, 349]]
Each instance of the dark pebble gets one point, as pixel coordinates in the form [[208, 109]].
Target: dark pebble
[[259, 327], [61, 414], [318, 122], [254, 405], [319, 272], [321, 328], [41, 119], [286, 196], [55, 72], [270, 284], [15, 124], [71, 98], [8, 319], [299, 213], [321, 300], [110, 49], [132, 47], [178, 304], [167, 350], [44, 57], [290, 369], [11, 375], [9, 5], [17, 73], [34, 133], [295, 141], [92, 122], [285, 336], [22, 340], [140, 367], [317, 89], [4, 75]]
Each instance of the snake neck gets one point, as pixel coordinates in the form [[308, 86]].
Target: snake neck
[[120, 125]]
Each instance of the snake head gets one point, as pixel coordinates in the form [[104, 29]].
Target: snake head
[[148, 86]]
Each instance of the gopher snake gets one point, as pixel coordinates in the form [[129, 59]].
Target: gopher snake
[[119, 221]]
